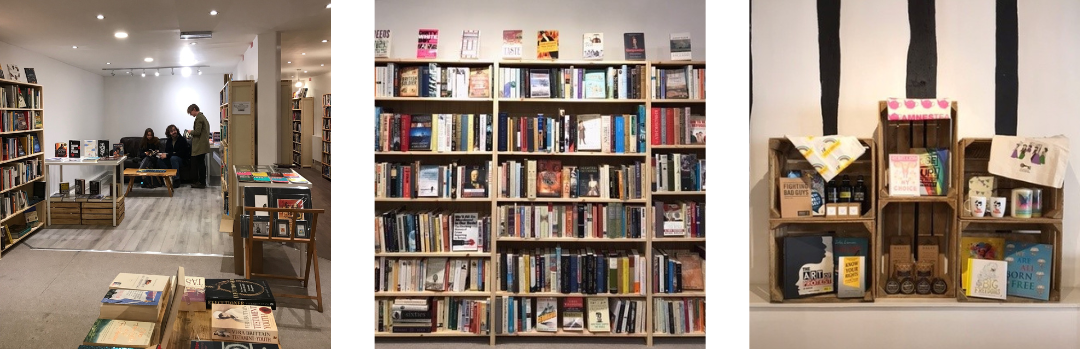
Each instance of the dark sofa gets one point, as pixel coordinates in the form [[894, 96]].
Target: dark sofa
[[131, 147]]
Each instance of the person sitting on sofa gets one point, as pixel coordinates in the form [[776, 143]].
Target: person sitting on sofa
[[176, 151], [149, 148]]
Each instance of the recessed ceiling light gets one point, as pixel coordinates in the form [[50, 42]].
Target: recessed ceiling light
[[120, 35], [108, 62], [100, 16], [200, 71], [322, 65], [213, 13], [144, 74], [327, 5], [74, 47], [193, 43], [157, 73], [305, 71], [290, 62], [148, 59], [324, 41], [304, 54]]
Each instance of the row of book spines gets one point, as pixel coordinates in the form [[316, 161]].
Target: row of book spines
[[619, 133], [667, 274], [613, 221], [420, 81], [584, 272], [20, 173], [446, 314], [676, 126], [13, 95], [12, 118], [326, 100], [622, 82], [411, 274], [395, 180], [427, 232], [678, 172], [678, 316], [693, 78], [548, 178], [434, 132], [691, 225], [517, 315]]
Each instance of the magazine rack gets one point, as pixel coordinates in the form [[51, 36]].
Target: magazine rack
[[311, 249]]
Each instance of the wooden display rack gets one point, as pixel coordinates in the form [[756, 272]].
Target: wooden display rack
[[1048, 233], [303, 110], [779, 230], [237, 140], [934, 216], [974, 157], [784, 157]]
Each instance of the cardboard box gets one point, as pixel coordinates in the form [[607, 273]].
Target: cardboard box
[[899, 252], [795, 198], [930, 251]]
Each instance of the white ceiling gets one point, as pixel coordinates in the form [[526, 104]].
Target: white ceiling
[[52, 27]]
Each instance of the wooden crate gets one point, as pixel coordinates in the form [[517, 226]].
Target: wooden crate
[[898, 137], [101, 212], [974, 157], [912, 221], [778, 231], [66, 213], [1048, 233], [784, 157]]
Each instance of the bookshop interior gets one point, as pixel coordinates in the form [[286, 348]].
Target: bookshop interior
[[210, 120], [540, 180], [909, 168]]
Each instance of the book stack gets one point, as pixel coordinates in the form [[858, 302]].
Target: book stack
[[410, 316], [229, 345], [239, 292], [247, 323], [131, 309]]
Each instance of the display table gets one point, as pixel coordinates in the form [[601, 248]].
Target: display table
[[113, 164], [165, 175], [237, 235]]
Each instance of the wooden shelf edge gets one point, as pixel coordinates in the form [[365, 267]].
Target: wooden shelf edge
[[31, 232]]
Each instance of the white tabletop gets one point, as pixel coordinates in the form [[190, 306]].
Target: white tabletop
[[87, 163]]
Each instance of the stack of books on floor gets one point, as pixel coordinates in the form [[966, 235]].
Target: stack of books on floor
[[131, 309], [241, 310]]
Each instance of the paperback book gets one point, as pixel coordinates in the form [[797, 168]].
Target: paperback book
[[246, 323], [470, 44], [511, 47], [593, 46], [634, 46], [547, 44], [427, 44], [680, 47], [382, 43], [239, 292]]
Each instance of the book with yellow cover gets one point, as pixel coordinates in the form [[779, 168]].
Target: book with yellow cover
[[978, 248]]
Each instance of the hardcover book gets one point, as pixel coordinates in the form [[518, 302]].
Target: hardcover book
[[420, 133], [409, 81], [470, 44], [573, 311], [680, 47], [511, 47], [697, 129], [549, 178], [589, 130], [547, 44], [435, 280], [588, 181], [1030, 266], [73, 149], [466, 232], [61, 150], [475, 183], [904, 175], [103, 148], [382, 43], [599, 314], [972, 247], [547, 315], [808, 266], [986, 278], [246, 323], [428, 181], [427, 44], [239, 292], [121, 333], [593, 46], [230, 345], [539, 83], [634, 46]]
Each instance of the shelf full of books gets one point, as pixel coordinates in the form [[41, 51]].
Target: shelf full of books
[[575, 209], [326, 137], [21, 159], [238, 128]]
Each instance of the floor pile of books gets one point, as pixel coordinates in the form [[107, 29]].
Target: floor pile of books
[[135, 311]]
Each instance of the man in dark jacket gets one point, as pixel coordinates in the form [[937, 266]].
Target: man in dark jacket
[[200, 145], [175, 150]]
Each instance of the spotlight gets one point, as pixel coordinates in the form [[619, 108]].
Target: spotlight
[[200, 71], [213, 13], [144, 73], [100, 16], [157, 73]]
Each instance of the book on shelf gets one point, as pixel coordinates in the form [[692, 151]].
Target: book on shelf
[[678, 83], [427, 44], [676, 126], [807, 266], [249, 323], [547, 44], [239, 292], [678, 316], [433, 132], [680, 47], [677, 172], [592, 47], [986, 278], [573, 314], [572, 271], [450, 314], [412, 180], [598, 314], [547, 315], [904, 177], [679, 219], [470, 44], [382, 43], [634, 46], [511, 46], [1030, 267], [398, 231], [571, 220], [435, 274], [975, 247], [617, 133]]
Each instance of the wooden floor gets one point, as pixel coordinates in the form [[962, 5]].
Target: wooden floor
[[320, 198], [186, 223]]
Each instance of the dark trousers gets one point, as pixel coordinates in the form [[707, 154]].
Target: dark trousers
[[199, 161]]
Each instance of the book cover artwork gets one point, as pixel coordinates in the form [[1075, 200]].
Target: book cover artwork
[[470, 44], [680, 47], [634, 46], [547, 44], [988, 278], [808, 266], [511, 47], [593, 46], [904, 175], [382, 43], [427, 44], [1030, 267], [466, 232]]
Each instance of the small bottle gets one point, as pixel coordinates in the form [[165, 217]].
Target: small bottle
[[859, 194], [845, 190], [832, 192]]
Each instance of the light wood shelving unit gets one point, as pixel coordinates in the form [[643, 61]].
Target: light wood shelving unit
[[36, 95], [238, 147], [326, 136], [285, 121], [303, 111], [490, 206]]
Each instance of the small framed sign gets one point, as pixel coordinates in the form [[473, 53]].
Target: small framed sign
[[241, 108]]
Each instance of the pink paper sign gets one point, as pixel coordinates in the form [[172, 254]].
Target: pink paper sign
[[903, 109]]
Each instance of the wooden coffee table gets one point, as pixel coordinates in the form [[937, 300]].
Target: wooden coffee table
[[134, 173]]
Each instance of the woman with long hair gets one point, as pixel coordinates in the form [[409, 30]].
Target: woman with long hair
[[175, 151], [149, 147]]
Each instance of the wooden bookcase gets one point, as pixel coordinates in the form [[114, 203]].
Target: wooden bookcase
[[326, 136], [493, 106], [974, 159], [303, 111], [238, 132], [285, 144], [34, 110], [784, 157]]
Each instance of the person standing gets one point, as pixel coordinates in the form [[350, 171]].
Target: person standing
[[200, 145], [175, 150]]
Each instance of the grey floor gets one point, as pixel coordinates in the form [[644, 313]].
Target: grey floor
[[186, 223]]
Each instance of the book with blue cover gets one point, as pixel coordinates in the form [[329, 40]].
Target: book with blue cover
[[131, 297], [1030, 266]]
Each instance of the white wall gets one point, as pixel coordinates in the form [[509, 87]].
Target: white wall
[[657, 19], [73, 102], [874, 38], [268, 98], [317, 87], [248, 68], [133, 103]]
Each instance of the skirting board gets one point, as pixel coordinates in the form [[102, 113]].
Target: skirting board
[[896, 324]]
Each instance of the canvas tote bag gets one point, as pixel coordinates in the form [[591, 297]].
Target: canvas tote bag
[[829, 155], [1041, 161]]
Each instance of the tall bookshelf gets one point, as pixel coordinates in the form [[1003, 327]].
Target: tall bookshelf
[[521, 106], [285, 124], [238, 130], [32, 136], [303, 110], [326, 136]]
